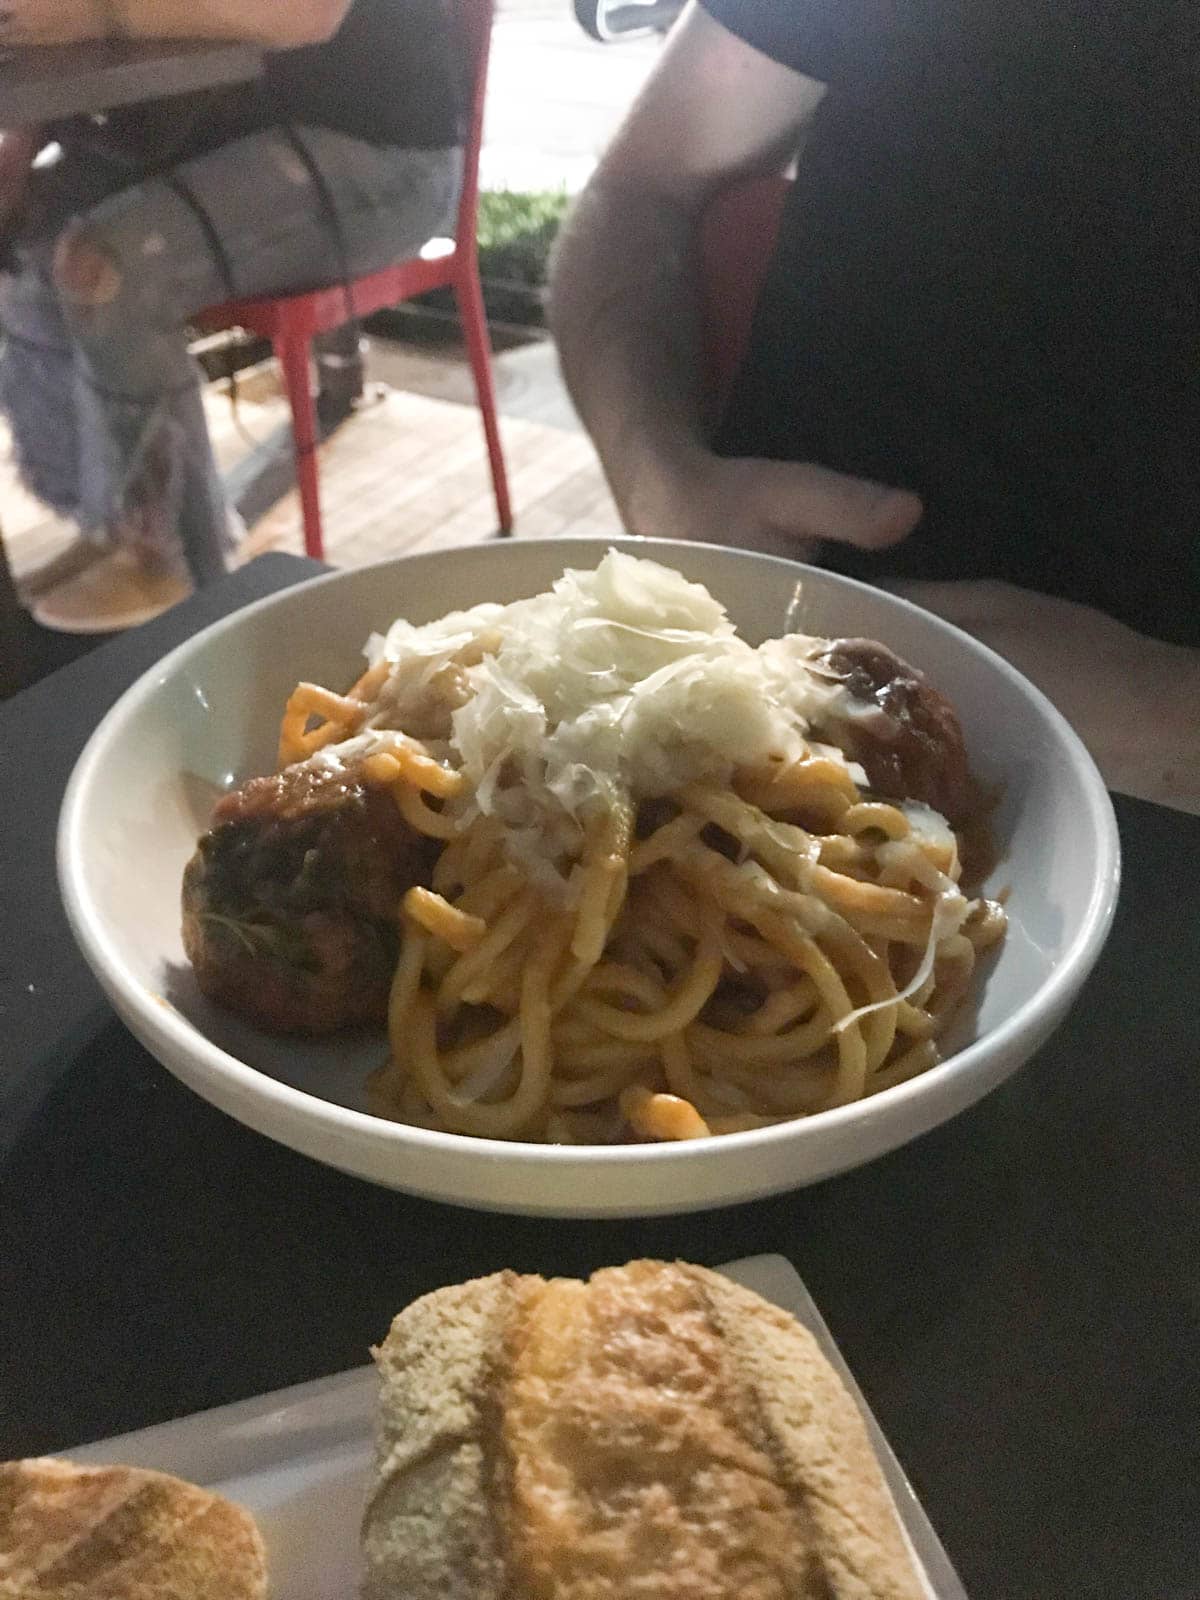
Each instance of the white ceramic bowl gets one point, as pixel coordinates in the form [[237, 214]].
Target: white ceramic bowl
[[207, 717]]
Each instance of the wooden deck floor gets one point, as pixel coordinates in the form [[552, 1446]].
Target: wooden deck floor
[[407, 472]]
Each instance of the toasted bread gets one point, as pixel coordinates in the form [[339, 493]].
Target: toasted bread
[[658, 1433], [72, 1532]]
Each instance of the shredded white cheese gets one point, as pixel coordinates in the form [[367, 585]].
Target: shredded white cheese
[[627, 679]]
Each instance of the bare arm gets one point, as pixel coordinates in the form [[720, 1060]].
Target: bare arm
[[275, 24], [624, 310]]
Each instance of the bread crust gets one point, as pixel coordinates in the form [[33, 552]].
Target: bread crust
[[657, 1434], [430, 1528], [815, 1433], [122, 1533]]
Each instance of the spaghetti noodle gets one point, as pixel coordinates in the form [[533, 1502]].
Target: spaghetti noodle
[[662, 908]]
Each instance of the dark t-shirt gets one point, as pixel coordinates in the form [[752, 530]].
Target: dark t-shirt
[[987, 287], [387, 76], [391, 75]]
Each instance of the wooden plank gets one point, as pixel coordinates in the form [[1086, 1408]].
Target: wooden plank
[[407, 473]]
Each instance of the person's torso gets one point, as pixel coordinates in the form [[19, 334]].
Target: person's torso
[[393, 74], [988, 289]]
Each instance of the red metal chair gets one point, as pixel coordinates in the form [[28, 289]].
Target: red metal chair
[[737, 239], [292, 321]]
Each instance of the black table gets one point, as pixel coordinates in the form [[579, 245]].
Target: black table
[[1018, 1292]]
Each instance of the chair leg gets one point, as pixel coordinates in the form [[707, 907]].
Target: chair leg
[[292, 354], [468, 292]]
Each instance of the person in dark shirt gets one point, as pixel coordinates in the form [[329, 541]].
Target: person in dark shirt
[[976, 355], [343, 156]]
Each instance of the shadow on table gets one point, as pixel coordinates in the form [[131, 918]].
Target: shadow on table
[[1018, 1293]]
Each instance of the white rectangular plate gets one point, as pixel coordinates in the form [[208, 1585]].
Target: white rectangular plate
[[300, 1459]]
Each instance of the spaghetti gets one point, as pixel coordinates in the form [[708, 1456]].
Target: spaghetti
[[606, 950]]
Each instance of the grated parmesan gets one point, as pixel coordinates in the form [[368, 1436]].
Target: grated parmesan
[[624, 681]]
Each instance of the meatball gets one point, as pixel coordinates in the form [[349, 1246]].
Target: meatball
[[290, 901], [903, 733]]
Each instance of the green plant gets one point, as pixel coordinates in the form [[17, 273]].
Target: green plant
[[517, 232]]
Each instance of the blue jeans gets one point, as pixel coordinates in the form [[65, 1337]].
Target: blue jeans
[[102, 396]]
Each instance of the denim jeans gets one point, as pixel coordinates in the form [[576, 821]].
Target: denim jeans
[[103, 398]]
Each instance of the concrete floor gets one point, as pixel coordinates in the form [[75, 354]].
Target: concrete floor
[[555, 96], [528, 383]]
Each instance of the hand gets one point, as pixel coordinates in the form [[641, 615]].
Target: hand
[[266, 22], [25, 22], [1132, 699], [777, 507]]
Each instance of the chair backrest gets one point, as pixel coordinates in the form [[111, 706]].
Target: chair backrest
[[737, 240], [474, 19]]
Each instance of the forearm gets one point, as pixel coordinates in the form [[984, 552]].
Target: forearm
[[625, 294], [625, 307], [625, 315], [271, 23]]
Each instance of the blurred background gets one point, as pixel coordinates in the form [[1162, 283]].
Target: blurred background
[[402, 468]]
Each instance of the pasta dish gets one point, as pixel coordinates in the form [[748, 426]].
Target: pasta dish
[[606, 871]]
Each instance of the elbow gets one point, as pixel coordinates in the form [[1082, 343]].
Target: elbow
[[617, 232], [307, 22], [562, 265], [589, 239]]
